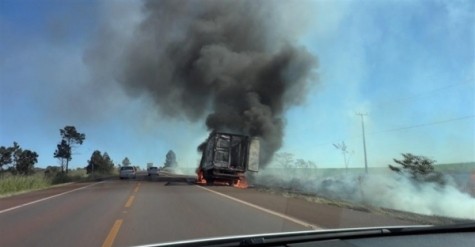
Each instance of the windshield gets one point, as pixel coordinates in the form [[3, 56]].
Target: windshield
[[263, 116]]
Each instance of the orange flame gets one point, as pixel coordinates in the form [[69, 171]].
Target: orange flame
[[200, 178], [241, 182]]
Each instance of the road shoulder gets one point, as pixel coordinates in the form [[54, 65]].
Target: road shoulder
[[28, 197]]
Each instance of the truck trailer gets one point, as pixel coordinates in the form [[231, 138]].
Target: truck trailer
[[227, 157]]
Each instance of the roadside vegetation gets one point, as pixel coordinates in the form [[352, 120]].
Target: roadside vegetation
[[16, 160], [19, 174], [70, 138], [419, 168], [100, 163], [40, 178], [170, 160], [413, 187], [10, 184]]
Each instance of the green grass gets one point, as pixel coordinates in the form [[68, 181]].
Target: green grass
[[10, 184], [13, 184], [77, 173], [457, 167]]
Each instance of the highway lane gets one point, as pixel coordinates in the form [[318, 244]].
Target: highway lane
[[79, 218], [150, 210], [177, 211], [318, 214]]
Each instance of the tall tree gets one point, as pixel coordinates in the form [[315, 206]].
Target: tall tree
[[170, 159], [95, 162], [108, 163], [70, 137], [419, 167], [16, 151], [284, 160], [414, 164], [10, 156], [100, 163], [5, 157], [63, 153], [27, 159], [344, 152], [126, 162]]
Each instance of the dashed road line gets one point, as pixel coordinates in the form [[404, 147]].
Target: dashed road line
[[129, 202], [112, 233], [137, 188], [118, 223]]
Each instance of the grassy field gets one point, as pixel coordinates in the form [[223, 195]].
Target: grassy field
[[444, 168], [456, 167], [10, 184], [14, 184]]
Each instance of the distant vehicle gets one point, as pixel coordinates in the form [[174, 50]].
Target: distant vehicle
[[226, 157], [153, 170], [127, 172]]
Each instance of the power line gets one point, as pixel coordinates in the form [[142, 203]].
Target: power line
[[418, 95], [391, 101], [407, 127], [424, 124]]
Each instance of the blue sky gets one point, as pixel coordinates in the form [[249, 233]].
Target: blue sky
[[404, 63]]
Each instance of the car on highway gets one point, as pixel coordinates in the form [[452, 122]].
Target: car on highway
[[127, 172], [152, 171]]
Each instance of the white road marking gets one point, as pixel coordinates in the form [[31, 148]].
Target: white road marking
[[46, 198], [297, 221]]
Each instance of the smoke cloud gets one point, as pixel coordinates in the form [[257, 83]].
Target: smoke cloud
[[234, 64], [386, 190]]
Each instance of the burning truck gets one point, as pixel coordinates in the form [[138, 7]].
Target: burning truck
[[226, 158]]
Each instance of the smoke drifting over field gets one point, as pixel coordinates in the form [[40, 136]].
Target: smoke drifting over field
[[387, 190], [234, 63]]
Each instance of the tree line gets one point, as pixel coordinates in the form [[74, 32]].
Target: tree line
[[22, 161], [17, 160], [287, 160]]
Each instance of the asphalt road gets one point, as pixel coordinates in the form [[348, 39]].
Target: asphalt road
[[160, 209]]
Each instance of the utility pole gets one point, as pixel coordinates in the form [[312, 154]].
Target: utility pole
[[364, 141]]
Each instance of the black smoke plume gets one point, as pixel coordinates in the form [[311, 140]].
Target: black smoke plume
[[235, 63]]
